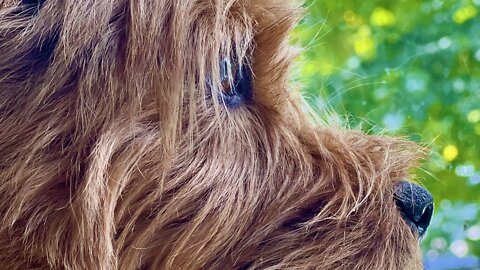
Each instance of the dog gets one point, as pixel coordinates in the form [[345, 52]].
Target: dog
[[164, 134]]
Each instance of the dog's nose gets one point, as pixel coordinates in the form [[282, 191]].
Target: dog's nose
[[415, 204]]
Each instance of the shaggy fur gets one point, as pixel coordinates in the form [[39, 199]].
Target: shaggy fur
[[116, 153]]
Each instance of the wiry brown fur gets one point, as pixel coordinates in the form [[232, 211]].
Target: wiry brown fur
[[114, 156]]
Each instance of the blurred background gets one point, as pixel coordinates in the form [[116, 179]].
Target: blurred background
[[408, 68]]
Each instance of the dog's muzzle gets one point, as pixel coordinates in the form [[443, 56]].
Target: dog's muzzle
[[416, 206]]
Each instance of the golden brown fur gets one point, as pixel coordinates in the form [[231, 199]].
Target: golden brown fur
[[113, 155]]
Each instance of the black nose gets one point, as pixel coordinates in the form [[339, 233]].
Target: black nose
[[415, 204]]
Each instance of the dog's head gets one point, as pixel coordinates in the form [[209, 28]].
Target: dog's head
[[165, 135]]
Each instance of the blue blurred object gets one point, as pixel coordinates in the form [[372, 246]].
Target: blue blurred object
[[450, 262]]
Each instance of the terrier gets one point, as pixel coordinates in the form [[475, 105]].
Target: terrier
[[164, 134]]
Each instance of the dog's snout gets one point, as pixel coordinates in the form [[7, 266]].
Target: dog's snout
[[416, 205]]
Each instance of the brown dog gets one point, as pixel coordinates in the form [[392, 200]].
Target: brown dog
[[162, 134]]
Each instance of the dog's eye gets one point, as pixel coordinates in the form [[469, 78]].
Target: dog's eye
[[226, 76], [236, 83]]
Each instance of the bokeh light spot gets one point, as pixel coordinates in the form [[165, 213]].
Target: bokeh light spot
[[474, 116], [450, 152], [444, 43], [464, 14], [382, 17], [350, 17], [363, 43], [477, 55], [459, 248], [474, 233], [465, 170], [439, 243], [393, 121]]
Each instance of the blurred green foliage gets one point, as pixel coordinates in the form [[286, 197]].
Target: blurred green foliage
[[410, 68]]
